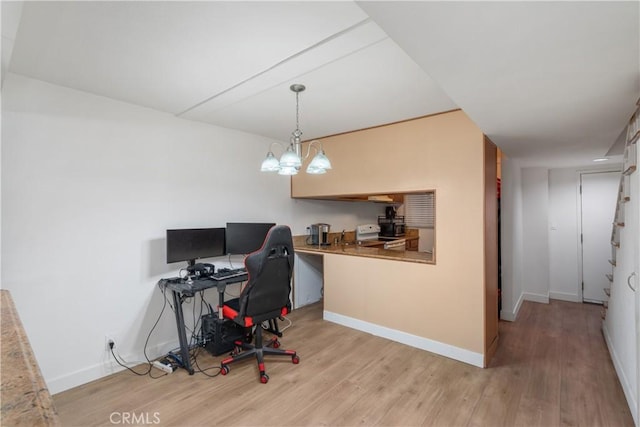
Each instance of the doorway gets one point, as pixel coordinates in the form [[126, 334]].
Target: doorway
[[598, 194]]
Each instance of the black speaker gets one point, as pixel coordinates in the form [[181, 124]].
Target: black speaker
[[219, 335]]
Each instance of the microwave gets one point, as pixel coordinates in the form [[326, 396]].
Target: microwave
[[392, 227]]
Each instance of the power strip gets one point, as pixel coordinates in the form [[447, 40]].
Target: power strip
[[159, 365]]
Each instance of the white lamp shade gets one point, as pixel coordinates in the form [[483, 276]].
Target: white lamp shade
[[290, 159], [270, 163], [288, 170], [315, 171], [320, 161]]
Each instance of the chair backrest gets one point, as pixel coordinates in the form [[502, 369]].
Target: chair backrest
[[270, 269]]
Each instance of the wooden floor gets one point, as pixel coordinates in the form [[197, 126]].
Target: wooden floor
[[552, 368]]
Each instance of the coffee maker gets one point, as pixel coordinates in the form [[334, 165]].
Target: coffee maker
[[391, 224], [390, 212], [319, 234]]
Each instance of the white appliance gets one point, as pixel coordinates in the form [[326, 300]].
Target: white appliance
[[367, 232]]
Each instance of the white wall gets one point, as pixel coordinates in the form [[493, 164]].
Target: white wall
[[535, 237], [511, 239], [89, 186]]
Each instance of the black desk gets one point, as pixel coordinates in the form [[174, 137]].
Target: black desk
[[181, 290]]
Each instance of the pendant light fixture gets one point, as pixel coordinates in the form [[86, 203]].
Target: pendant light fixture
[[291, 161]]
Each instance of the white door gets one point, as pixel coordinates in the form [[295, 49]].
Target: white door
[[598, 204]]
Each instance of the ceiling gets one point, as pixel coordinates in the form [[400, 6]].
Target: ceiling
[[551, 83]]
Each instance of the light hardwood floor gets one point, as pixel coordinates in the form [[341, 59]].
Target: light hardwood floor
[[552, 368]]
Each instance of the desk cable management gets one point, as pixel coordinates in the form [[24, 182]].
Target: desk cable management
[[195, 346], [194, 336], [122, 362]]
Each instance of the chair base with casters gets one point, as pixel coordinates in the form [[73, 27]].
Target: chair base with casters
[[258, 350]]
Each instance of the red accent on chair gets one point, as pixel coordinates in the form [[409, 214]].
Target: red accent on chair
[[230, 313]]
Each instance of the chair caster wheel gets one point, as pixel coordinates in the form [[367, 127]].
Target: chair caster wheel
[[224, 370], [275, 344], [295, 359], [264, 378]]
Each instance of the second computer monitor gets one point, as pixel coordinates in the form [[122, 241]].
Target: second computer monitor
[[246, 237], [192, 244]]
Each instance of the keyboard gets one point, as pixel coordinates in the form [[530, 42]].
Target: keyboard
[[226, 273]]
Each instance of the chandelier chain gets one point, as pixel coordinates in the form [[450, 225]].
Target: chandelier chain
[[297, 132]]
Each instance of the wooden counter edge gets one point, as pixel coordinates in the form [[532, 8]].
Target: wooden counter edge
[[374, 253]]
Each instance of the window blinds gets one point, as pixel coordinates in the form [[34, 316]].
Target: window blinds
[[419, 210]]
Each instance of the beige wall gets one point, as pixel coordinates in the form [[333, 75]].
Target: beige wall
[[426, 300], [443, 302], [415, 155]]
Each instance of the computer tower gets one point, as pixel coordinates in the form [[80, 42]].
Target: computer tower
[[219, 335]]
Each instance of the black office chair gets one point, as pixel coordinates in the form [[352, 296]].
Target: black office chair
[[264, 298]]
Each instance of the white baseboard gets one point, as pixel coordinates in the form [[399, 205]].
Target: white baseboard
[[563, 296], [626, 387], [104, 368], [74, 379], [447, 350], [511, 316], [543, 299]]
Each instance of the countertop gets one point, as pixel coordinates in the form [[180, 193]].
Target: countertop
[[299, 244], [24, 394]]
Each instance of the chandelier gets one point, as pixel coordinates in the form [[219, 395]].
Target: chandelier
[[291, 161]]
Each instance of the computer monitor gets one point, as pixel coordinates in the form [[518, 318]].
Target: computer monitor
[[246, 237], [190, 244]]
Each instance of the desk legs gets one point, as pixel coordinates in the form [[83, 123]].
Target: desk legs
[[182, 336], [222, 285]]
